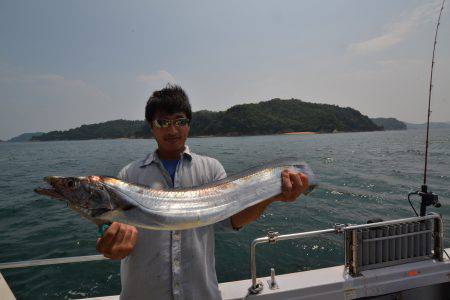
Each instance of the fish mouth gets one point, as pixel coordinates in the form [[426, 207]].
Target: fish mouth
[[49, 190]]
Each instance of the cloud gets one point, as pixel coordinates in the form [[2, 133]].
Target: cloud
[[397, 32], [49, 101], [397, 64], [51, 85], [161, 77]]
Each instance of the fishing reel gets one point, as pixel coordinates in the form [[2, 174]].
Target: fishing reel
[[427, 198]]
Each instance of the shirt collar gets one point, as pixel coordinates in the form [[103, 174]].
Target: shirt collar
[[153, 157]]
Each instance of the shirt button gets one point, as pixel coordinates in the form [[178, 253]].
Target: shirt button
[[176, 262]]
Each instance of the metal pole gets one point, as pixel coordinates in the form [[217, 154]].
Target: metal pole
[[355, 247], [253, 257], [51, 261], [391, 222], [278, 238], [439, 239]]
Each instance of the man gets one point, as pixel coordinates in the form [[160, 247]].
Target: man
[[176, 264]]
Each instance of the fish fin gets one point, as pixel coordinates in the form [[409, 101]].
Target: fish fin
[[119, 199], [121, 216], [285, 161], [111, 216]]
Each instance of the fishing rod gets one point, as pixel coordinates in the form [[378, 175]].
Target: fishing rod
[[427, 197]]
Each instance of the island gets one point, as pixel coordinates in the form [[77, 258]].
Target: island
[[433, 125], [25, 137], [389, 123], [275, 116]]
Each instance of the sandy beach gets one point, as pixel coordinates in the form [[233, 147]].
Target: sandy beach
[[301, 132]]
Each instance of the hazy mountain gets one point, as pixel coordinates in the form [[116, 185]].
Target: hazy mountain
[[389, 123], [25, 137], [433, 125], [106, 130]]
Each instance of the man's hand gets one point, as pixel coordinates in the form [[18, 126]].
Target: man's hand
[[117, 241], [293, 184]]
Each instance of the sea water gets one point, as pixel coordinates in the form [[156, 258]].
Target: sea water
[[362, 176]]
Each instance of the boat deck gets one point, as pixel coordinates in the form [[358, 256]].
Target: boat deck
[[417, 271], [428, 279]]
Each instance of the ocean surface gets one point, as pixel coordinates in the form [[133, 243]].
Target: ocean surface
[[362, 176]]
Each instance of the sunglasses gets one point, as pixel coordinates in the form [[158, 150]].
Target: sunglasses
[[163, 123]]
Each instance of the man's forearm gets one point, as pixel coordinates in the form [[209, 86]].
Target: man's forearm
[[293, 184], [250, 214]]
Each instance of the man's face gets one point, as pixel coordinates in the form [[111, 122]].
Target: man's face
[[172, 138]]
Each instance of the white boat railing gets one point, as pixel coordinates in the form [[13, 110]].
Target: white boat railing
[[273, 237], [51, 261]]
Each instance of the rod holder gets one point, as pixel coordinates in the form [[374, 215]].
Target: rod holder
[[272, 282]]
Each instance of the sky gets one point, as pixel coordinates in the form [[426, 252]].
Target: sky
[[68, 63]]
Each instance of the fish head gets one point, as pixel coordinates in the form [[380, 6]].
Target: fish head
[[86, 195]]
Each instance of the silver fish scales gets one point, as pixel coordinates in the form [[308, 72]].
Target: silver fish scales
[[106, 199]]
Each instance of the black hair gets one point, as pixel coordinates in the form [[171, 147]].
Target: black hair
[[170, 100]]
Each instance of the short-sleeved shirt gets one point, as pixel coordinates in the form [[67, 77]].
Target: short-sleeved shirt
[[172, 264]]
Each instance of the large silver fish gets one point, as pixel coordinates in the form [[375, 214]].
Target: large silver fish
[[106, 199]]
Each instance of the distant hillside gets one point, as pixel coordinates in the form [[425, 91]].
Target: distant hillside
[[269, 117], [389, 123], [433, 125], [280, 116], [106, 130], [25, 137]]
